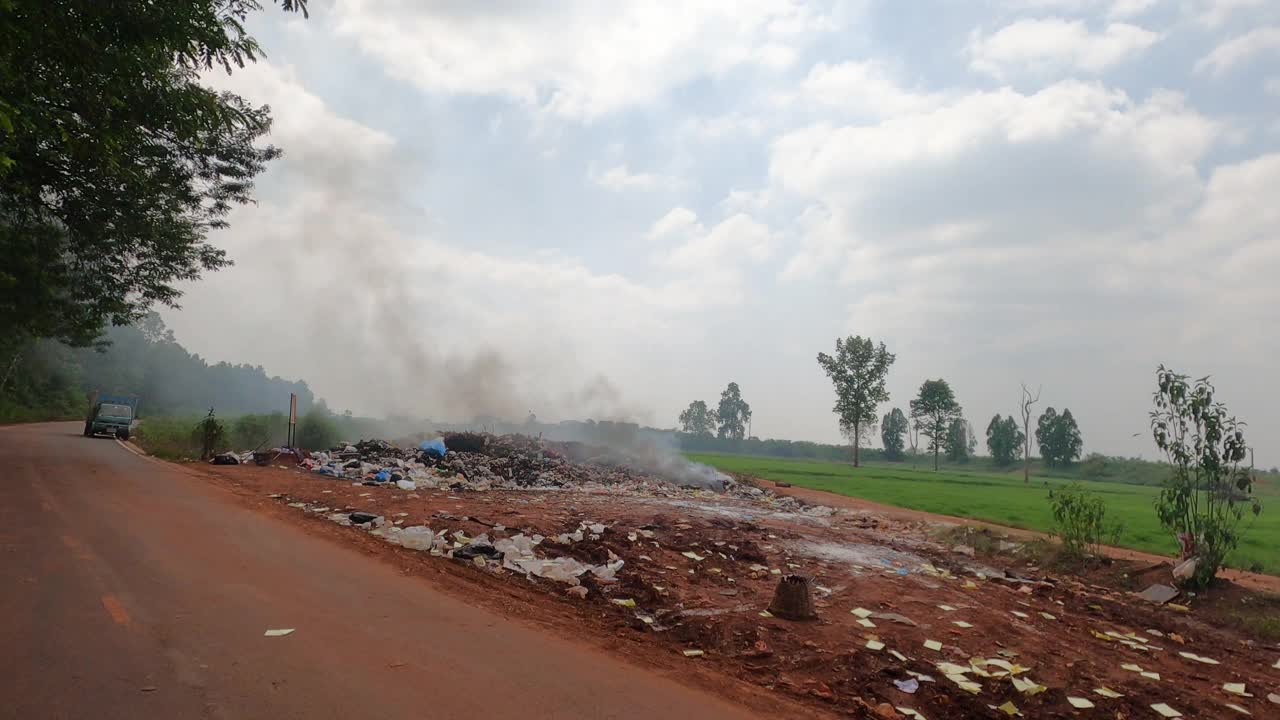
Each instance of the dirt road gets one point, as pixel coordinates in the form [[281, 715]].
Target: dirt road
[[134, 590]]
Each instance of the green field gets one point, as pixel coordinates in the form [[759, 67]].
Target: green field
[[1004, 499]]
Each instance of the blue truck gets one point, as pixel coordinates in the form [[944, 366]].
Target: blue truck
[[111, 415]]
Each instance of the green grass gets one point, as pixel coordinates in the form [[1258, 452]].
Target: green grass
[[1003, 499]]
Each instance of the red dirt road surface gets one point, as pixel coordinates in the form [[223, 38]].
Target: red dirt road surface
[[136, 589]]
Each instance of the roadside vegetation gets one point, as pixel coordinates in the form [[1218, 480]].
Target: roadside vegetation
[[1004, 499]]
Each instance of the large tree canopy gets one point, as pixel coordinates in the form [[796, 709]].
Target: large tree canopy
[[1058, 437], [933, 411], [1004, 439], [892, 429], [115, 161], [733, 413], [857, 371], [697, 420]]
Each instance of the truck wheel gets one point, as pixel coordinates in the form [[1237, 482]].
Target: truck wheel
[[123, 435], [88, 430]]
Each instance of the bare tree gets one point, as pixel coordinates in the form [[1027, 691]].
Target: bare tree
[[1027, 402], [913, 436]]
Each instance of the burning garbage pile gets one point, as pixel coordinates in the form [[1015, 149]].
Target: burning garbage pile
[[480, 461]]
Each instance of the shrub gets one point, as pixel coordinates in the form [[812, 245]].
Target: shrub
[[1080, 521], [1204, 497], [167, 437], [317, 431], [210, 436]]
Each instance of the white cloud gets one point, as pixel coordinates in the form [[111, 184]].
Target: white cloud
[[1216, 12], [1272, 86], [720, 127], [1240, 49], [1055, 45], [579, 59], [1113, 8], [619, 178], [862, 88]]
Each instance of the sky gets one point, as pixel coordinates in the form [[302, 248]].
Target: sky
[[589, 209]]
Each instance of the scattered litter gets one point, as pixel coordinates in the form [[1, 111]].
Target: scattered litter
[[1131, 667], [898, 655], [278, 633], [1238, 709], [1159, 594], [866, 623], [1166, 711], [1009, 709], [1236, 689], [1107, 692], [693, 556], [875, 645], [933, 645], [1027, 686], [692, 653], [961, 624], [1079, 702], [910, 685], [1198, 658], [895, 617], [1022, 615], [1150, 675], [946, 608], [1274, 698], [1047, 616], [861, 612], [624, 602], [965, 684]]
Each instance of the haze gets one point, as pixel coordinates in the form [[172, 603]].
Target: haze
[[612, 209]]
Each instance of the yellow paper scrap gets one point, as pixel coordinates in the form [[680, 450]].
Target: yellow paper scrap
[[1150, 675], [865, 622], [1079, 702], [1277, 665], [766, 614], [1022, 615], [1166, 711], [875, 645], [1238, 709], [933, 644], [965, 684], [1236, 689], [969, 585], [1179, 608], [1131, 667], [861, 612], [624, 602], [692, 653], [947, 668], [1198, 658], [1009, 709], [1101, 636], [946, 608], [911, 713], [1107, 692], [961, 624], [1047, 616], [898, 655], [1028, 686], [693, 555]]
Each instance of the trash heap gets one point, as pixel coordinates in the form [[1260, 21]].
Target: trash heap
[[480, 461], [518, 553]]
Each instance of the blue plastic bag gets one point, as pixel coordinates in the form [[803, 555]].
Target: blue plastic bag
[[434, 447], [383, 476]]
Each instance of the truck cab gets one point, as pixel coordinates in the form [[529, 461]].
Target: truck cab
[[111, 415]]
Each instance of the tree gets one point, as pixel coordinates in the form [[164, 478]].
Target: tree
[[115, 160], [1058, 437], [1027, 402], [697, 420], [959, 442], [932, 410], [857, 370], [892, 428], [1004, 439], [1203, 500], [733, 413]]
